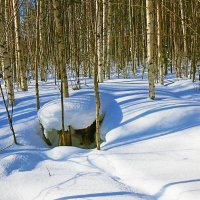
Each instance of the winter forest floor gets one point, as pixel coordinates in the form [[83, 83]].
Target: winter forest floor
[[151, 148]]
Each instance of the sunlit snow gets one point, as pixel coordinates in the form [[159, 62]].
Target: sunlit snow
[[151, 148]]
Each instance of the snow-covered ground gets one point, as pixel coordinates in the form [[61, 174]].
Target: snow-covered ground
[[151, 149]]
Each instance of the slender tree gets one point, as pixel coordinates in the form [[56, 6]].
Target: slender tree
[[62, 64], [160, 41], [37, 55], [19, 49], [99, 11], [97, 66], [150, 47], [5, 56]]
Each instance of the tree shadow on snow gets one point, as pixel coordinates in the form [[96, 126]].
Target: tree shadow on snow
[[21, 161], [107, 194], [165, 187], [155, 130]]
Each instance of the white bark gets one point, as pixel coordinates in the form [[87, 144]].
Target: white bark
[[185, 59], [5, 59], [160, 47], [100, 39], [150, 47], [20, 65], [61, 52]]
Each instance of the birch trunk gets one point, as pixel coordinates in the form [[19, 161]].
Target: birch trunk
[[37, 49], [108, 63], [5, 61], [132, 37], [150, 47], [20, 64], [100, 39], [97, 66], [177, 60], [185, 57], [60, 41], [7, 73], [105, 38], [62, 65], [42, 40], [160, 43]]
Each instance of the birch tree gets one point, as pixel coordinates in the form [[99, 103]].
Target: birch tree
[[37, 48], [5, 56], [185, 56], [100, 39], [20, 65], [97, 67], [160, 41], [150, 46], [61, 46], [62, 64]]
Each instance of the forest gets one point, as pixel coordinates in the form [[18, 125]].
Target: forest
[[99, 99]]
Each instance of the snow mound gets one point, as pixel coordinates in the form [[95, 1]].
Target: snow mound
[[79, 112]]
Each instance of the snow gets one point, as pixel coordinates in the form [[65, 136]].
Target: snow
[[79, 112], [74, 108], [151, 148]]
